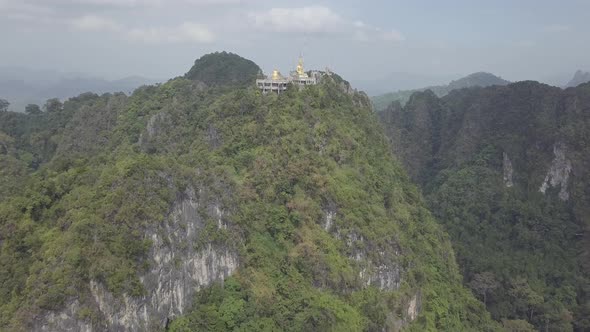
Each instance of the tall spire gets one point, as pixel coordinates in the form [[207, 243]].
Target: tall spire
[[300, 69]]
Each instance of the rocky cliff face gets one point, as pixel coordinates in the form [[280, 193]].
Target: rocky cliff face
[[378, 266], [181, 261], [506, 170], [531, 125], [559, 173], [415, 133]]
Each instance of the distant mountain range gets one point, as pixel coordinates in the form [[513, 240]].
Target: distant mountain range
[[481, 79], [400, 81], [579, 78], [22, 86]]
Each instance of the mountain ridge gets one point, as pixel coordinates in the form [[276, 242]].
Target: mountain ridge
[[505, 170], [580, 77], [480, 79], [266, 212]]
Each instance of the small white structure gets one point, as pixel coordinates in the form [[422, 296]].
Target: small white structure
[[278, 83]]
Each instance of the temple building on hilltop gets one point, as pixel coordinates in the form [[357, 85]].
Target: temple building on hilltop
[[278, 83]]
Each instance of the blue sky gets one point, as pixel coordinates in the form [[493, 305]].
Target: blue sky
[[362, 40]]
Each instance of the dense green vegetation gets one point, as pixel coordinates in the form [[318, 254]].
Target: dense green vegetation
[[91, 178], [481, 79], [4, 105], [223, 68], [525, 254]]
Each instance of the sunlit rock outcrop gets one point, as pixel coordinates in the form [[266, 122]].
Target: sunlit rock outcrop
[[180, 263], [559, 173]]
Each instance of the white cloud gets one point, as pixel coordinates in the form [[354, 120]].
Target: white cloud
[[360, 35], [392, 35], [84, 15], [130, 3], [367, 33], [23, 11], [95, 23], [359, 24], [9, 5], [558, 28], [319, 19], [186, 32], [118, 3], [314, 19], [215, 2]]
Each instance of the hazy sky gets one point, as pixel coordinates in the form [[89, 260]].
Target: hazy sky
[[516, 39]]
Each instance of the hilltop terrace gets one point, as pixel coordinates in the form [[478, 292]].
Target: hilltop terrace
[[278, 83]]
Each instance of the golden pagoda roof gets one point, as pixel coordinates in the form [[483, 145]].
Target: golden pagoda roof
[[276, 75], [300, 70]]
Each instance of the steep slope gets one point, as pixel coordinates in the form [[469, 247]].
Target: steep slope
[[506, 170], [183, 207], [12, 169], [480, 79], [580, 77]]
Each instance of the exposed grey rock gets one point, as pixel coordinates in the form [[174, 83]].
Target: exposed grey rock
[[378, 267], [330, 211], [559, 172], [213, 137], [329, 220], [178, 269], [414, 307], [347, 88], [410, 310], [155, 123], [66, 320], [382, 272], [508, 171]]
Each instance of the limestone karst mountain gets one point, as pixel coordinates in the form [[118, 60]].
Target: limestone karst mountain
[[197, 206], [580, 77], [505, 169], [479, 79], [223, 68]]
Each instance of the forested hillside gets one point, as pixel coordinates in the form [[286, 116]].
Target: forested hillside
[[480, 79], [506, 171], [223, 68], [193, 206]]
